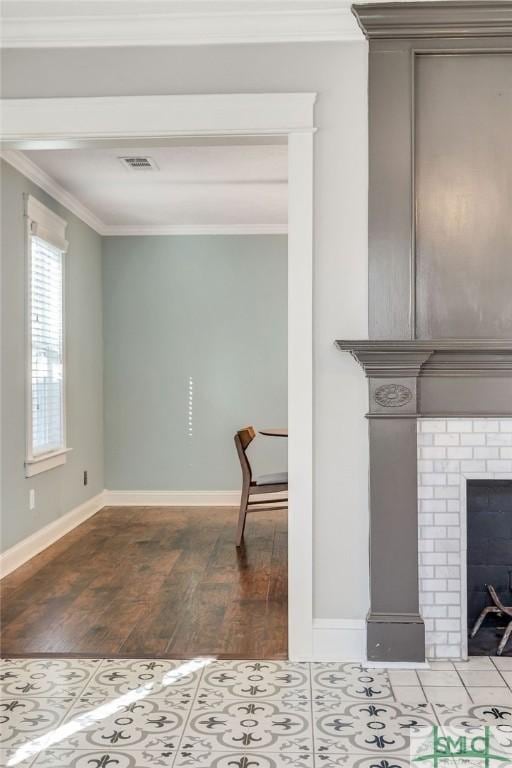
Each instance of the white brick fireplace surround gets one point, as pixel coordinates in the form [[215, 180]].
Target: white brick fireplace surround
[[451, 452]]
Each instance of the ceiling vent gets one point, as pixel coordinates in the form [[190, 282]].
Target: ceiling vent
[[139, 163]]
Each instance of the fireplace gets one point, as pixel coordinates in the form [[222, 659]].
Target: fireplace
[[464, 529], [439, 354], [489, 559], [439, 416]]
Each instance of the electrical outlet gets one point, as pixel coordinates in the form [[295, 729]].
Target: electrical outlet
[[86, 479], [32, 498]]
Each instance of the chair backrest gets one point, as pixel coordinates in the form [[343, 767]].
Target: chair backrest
[[243, 439]]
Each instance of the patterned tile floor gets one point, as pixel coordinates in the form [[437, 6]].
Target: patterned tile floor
[[68, 713]]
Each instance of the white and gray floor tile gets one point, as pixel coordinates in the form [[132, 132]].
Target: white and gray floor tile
[[254, 680], [378, 728], [267, 726], [158, 677], [349, 682], [46, 677], [74, 713]]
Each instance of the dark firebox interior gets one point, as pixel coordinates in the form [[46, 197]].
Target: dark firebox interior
[[489, 559]]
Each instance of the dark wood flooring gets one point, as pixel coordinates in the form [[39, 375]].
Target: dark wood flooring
[[167, 582]]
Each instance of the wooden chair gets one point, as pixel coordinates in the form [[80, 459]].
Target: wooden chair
[[501, 610], [274, 483]]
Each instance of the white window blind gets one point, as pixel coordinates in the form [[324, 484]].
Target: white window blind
[[46, 320], [46, 407]]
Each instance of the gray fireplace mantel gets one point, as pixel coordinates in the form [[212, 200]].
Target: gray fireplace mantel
[[408, 379], [432, 357], [439, 266], [450, 377], [451, 18]]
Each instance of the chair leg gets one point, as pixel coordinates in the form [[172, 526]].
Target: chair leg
[[505, 638], [479, 621], [242, 515]]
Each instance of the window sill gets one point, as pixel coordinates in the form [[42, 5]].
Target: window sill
[[46, 462]]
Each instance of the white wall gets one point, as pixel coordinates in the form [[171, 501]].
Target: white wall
[[338, 72]]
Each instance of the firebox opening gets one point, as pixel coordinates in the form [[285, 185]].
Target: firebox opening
[[489, 563]]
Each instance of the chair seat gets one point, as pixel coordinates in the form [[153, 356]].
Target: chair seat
[[272, 479]]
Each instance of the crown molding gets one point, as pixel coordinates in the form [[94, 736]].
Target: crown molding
[[79, 23], [127, 230], [31, 171], [436, 18]]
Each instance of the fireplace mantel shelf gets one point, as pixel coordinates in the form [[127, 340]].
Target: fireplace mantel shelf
[[449, 19], [431, 357], [432, 345]]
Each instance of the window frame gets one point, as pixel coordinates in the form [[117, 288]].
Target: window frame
[[46, 225]]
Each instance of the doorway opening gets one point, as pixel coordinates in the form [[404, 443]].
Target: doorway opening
[[298, 618]]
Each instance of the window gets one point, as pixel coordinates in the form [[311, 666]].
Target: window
[[46, 422]]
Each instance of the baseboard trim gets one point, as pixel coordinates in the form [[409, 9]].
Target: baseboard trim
[[339, 640], [27, 548], [397, 665], [171, 498]]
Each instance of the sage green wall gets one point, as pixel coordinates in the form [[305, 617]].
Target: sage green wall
[[207, 309], [61, 489], [195, 334]]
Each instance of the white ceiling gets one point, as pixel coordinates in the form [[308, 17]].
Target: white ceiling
[[203, 184]]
